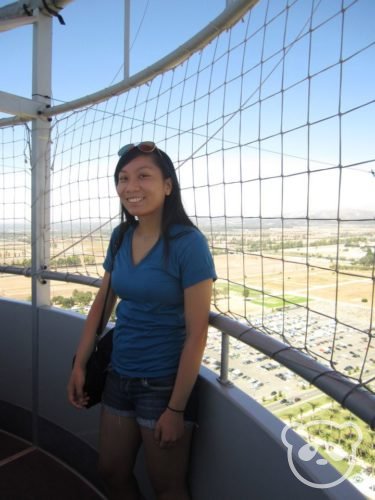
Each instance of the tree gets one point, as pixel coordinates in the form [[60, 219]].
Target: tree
[[89, 259], [313, 406], [67, 302], [368, 259], [290, 416], [82, 298], [301, 414]]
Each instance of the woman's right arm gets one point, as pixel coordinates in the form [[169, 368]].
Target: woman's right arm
[[76, 395]]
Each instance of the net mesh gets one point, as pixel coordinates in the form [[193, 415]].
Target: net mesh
[[269, 127]]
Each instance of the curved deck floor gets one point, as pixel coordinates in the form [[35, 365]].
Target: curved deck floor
[[27, 473]]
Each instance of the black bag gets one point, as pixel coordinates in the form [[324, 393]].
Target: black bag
[[96, 368], [97, 364]]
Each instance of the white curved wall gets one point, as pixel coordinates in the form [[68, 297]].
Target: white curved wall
[[237, 451]]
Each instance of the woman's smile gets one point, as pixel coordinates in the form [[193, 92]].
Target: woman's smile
[[134, 199]]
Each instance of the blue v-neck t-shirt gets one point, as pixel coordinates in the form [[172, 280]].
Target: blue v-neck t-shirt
[[150, 326]]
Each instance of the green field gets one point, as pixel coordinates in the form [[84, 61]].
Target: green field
[[257, 298]]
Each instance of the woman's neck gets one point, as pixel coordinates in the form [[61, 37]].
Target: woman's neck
[[149, 228]]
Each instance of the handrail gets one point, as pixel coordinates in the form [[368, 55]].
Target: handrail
[[349, 394]]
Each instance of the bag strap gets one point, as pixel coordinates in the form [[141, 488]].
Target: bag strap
[[123, 228]]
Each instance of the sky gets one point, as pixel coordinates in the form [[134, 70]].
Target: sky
[[88, 55], [88, 50]]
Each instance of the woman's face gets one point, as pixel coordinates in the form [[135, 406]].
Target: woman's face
[[142, 187]]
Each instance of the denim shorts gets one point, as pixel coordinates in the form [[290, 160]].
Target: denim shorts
[[144, 399]]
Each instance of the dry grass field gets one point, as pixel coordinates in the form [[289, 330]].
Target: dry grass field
[[249, 270], [249, 285]]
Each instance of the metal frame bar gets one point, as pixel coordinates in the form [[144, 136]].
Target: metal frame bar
[[21, 106], [224, 21], [40, 209], [127, 26], [18, 14]]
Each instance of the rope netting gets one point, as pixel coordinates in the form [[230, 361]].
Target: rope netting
[[15, 207], [270, 127]]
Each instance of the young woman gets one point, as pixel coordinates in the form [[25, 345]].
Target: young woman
[[162, 273]]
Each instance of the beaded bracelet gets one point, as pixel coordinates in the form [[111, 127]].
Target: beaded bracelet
[[176, 411]]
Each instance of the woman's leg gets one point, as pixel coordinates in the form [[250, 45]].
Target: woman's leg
[[120, 439], [168, 467]]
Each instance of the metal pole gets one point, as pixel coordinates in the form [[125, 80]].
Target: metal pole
[[40, 167], [127, 39], [223, 379]]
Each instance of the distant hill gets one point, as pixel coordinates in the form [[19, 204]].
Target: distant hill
[[205, 223], [295, 220]]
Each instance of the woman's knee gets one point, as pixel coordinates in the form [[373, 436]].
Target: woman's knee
[[119, 482], [173, 493], [106, 468]]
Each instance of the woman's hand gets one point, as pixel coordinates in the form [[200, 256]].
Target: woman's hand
[[169, 428], [76, 396]]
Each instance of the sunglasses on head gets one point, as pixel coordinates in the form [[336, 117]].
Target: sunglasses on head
[[145, 147]]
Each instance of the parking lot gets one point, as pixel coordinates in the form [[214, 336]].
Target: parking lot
[[263, 378]]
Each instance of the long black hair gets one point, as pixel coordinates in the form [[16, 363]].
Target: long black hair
[[173, 210]]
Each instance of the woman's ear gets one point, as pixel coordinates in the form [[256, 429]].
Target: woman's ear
[[168, 186]]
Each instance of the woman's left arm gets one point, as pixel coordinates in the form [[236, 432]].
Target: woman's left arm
[[197, 308], [197, 300]]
